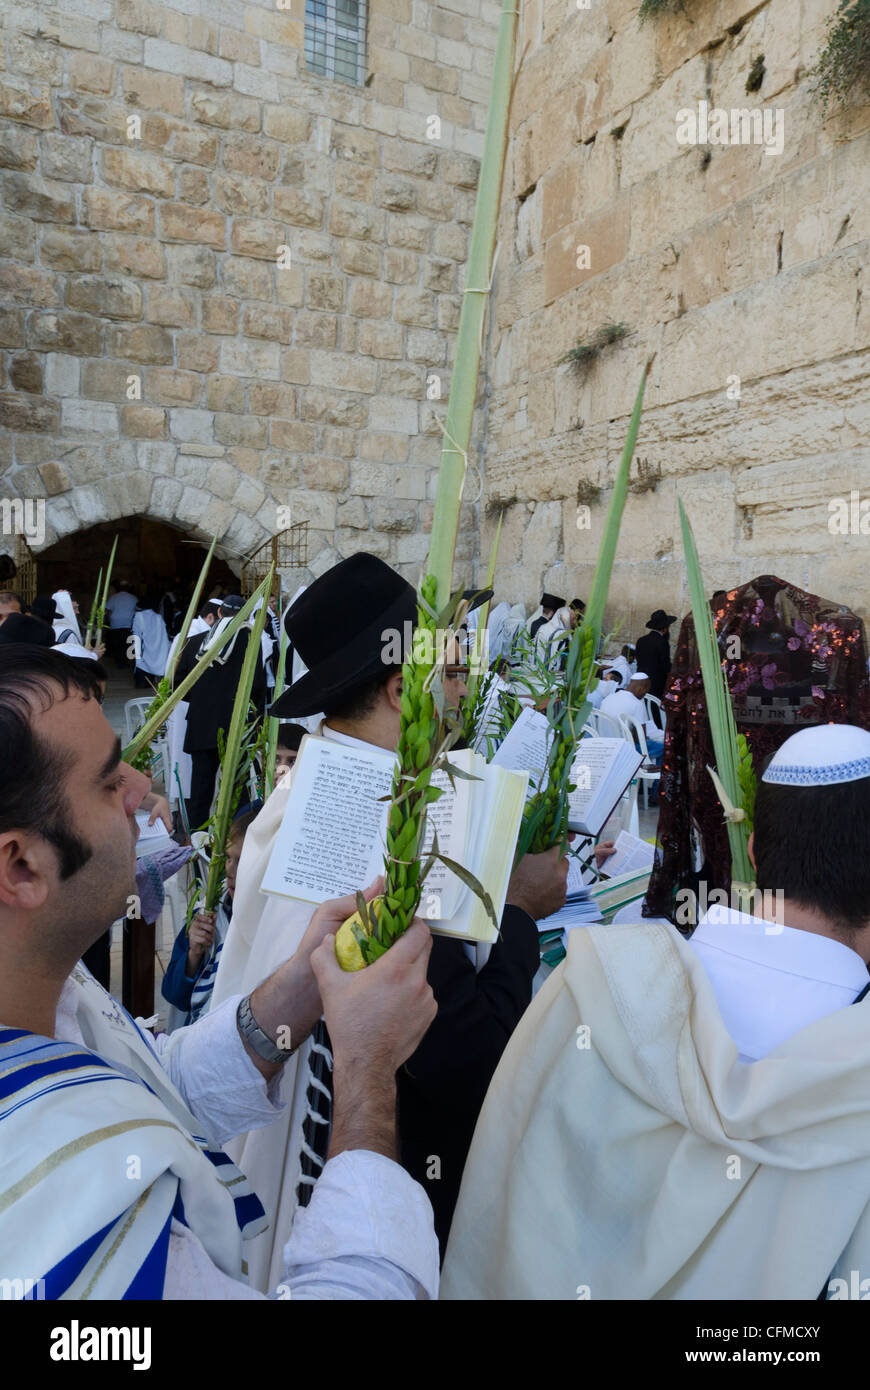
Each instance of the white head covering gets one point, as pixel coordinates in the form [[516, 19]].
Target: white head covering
[[640, 676], [66, 618], [822, 756], [70, 648]]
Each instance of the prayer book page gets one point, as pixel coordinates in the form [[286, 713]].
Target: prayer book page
[[525, 748], [631, 854], [601, 772], [331, 840], [448, 817]]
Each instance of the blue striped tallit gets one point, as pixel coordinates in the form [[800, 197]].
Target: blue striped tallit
[[95, 1162], [200, 999]]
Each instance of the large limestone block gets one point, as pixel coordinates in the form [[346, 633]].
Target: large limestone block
[[650, 139], [604, 233], [667, 203], [808, 314], [542, 541], [680, 36]]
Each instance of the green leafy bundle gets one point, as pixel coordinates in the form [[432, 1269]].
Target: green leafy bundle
[[545, 821], [239, 742], [731, 774]]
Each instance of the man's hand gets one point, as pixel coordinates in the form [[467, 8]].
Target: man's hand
[[603, 852], [376, 1018], [159, 808], [288, 1004], [200, 937], [538, 883]]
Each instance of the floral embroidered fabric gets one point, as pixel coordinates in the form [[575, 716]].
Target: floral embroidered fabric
[[791, 659]]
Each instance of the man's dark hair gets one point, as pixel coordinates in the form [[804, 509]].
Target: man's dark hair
[[34, 773], [7, 596], [239, 827], [361, 701], [290, 735], [811, 844], [90, 667]]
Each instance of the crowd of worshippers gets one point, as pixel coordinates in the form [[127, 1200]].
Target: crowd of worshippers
[[671, 1115]]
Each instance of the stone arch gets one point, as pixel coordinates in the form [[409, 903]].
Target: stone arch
[[179, 498]]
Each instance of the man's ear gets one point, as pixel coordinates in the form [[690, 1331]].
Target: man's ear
[[393, 691], [750, 849], [26, 870]]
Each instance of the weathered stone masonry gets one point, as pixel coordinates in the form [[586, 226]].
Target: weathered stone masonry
[[724, 262], [154, 256]]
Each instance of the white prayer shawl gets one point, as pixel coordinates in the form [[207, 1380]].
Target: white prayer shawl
[[71, 648], [176, 724], [267, 646], [153, 641], [495, 630], [216, 632], [514, 624], [98, 1153], [66, 618], [642, 1160], [545, 634], [264, 932]]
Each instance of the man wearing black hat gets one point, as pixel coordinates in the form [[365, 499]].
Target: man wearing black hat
[[550, 604], [654, 651], [350, 679], [210, 703], [23, 627]]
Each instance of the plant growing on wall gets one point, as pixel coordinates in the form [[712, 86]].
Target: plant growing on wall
[[843, 67], [585, 353], [651, 9]]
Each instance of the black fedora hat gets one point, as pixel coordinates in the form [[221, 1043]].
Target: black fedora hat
[[660, 619], [552, 601], [339, 626], [44, 608], [475, 598], [21, 627]]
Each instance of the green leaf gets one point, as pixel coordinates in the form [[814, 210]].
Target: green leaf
[[477, 888]]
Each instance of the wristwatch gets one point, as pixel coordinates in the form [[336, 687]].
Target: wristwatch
[[254, 1036]]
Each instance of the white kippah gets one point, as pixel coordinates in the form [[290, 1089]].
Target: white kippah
[[822, 756], [640, 676]]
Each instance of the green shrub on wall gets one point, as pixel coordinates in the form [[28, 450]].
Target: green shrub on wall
[[651, 9], [843, 68]]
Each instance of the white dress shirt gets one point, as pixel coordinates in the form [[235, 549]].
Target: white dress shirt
[[367, 1233], [771, 982], [623, 702]]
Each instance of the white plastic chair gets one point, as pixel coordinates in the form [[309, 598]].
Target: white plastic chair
[[655, 711], [604, 725], [646, 773], [134, 715]]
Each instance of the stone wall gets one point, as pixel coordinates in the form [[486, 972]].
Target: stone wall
[[154, 157], [726, 262]]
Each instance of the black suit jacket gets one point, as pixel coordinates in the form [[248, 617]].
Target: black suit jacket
[[653, 652], [442, 1086], [212, 697]]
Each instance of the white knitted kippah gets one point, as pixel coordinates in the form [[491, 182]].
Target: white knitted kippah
[[822, 756]]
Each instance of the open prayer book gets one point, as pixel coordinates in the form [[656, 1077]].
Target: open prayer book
[[331, 840], [603, 768]]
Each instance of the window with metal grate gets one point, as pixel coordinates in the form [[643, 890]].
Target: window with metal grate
[[335, 39]]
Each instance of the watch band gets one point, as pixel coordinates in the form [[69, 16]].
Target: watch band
[[254, 1036]]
